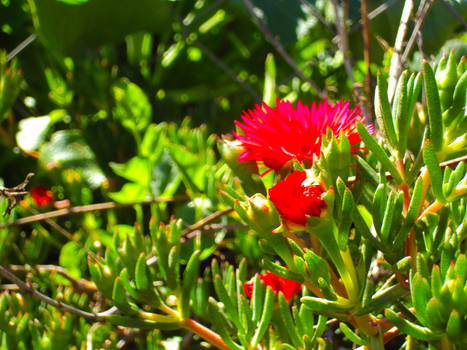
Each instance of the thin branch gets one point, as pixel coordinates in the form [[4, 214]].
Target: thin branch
[[64, 233], [80, 285], [320, 18], [46, 299], [344, 47], [455, 13], [208, 219], [396, 61], [226, 69], [279, 48], [420, 17], [217, 61], [86, 209], [371, 16], [21, 46], [367, 58]]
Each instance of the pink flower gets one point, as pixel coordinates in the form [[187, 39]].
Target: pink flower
[[41, 196], [297, 197], [277, 135], [278, 284]]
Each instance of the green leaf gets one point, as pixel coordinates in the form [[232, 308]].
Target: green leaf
[[388, 216], [434, 107], [421, 294], [317, 265], [434, 316], [132, 107], [352, 336], [189, 278], [130, 193], [33, 131], [173, 275], [73, 259], [383, 111], [265, 318], [383, 298], [219, 324], [137, 170], [120, 298], [378, 152], [82, 24], [282, 271], [325, 306], [434, 170], [401, 114], [142, 277], [454, 327], [269, 92], [257, 298], [287, 319], [68, 149], [409, 328]]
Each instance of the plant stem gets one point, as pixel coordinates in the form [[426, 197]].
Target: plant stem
[[205, 333]]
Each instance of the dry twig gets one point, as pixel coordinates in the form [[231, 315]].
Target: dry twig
[[278, 46], [48, 300], [396, 61], [86, 209]]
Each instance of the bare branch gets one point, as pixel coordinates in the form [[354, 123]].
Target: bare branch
[[396, 62], [278, 46], [367, 58], [80, 285], [344, 47], [88, 208], [209, 54], [46, 299], [320, 18], [420, 17], [205, 221], [455, 13]]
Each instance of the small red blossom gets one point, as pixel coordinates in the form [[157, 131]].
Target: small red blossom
[[277, 135], [41, 195], [278, 284], [297, 197]]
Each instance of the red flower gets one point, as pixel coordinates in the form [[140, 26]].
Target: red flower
[[278, 284], [41, 195], [277, 135], [297, 197]]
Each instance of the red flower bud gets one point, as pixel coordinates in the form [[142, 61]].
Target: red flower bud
[[41, 196], [297, 197], [278, 284]]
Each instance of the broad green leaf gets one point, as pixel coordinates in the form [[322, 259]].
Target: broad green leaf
[[130, 193], [73, 259], [33, 131], [68, 149], [82, 24], [132, 106], [137, 170]]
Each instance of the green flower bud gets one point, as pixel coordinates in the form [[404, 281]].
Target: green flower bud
[[262, 215], [246, 171], [230, 151]]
